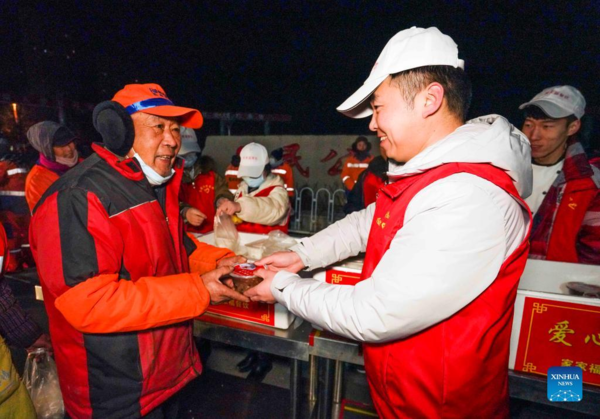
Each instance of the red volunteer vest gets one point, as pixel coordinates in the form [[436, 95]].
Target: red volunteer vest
[[371, 186], [261, 228], [201, 194], [577, 198], [457, 368]]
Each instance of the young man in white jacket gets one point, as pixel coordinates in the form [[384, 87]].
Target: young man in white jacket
[[446, 242]]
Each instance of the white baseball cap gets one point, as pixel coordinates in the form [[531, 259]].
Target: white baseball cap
[[253, 159], [559, 102], [189, 142], [410, 48]]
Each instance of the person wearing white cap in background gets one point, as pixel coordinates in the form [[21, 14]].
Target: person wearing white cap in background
[[446, 242], [565, 199], [201, 187], [261, 201]]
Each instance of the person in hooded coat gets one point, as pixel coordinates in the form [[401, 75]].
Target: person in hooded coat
[[58, 154], [357, 162]]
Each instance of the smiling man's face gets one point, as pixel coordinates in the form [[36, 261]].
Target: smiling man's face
[[157, 141], [548, 137]]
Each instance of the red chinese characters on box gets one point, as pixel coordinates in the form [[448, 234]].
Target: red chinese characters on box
[[556, 333], [340, 277], [253, 312]]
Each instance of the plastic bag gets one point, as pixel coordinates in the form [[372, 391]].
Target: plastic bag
[[41, 380], [226, 234], [276, 242]]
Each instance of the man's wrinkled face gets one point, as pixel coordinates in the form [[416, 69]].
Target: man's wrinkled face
[[548, 138], [157, 141], [66, 151], [396, 122]]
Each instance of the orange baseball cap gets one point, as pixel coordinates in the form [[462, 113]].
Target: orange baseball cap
[[150, 98]]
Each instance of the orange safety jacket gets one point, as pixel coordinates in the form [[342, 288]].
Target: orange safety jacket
[[286, 173], [352, 170], [38, 181], [231, 177]]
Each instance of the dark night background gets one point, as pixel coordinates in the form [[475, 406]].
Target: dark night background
[[301, 58]]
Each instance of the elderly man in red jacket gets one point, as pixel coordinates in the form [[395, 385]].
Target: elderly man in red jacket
[[121, 279]]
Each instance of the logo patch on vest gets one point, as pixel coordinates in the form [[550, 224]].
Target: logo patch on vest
[[572, 204]]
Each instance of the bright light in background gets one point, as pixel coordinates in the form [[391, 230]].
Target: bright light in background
[[15, 113]]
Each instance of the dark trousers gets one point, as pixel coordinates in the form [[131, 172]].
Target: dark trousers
[[167, 410]]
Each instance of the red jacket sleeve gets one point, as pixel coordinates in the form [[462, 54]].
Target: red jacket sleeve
[[588, 239], [108, 304], [79, 260]]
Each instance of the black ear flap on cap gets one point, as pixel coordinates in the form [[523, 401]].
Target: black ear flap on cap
[[115, 125]]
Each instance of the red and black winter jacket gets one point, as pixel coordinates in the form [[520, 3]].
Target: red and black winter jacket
[[112, 263]]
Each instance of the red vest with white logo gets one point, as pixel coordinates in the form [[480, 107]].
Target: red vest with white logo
[[576, 199], [457, 368], [201, 194], [261, 228]]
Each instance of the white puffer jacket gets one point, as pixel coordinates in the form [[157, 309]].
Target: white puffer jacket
[[457, 233], [269, 210]]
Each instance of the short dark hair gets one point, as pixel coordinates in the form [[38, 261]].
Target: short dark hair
[[535, 112], [277, 153], [456, 84]]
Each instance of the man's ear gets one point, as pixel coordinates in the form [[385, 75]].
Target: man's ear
[[434, 97], [115, 125], [573, 127]]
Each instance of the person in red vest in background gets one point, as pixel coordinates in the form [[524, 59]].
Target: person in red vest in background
[[357, 162], [14, 212], [565, 201], [261, 201], [231, 173], [446, 242], [201, 187], [56, 145], [282, 169], [368, 185]]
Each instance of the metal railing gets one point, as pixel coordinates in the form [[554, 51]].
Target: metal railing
[[314, 211]]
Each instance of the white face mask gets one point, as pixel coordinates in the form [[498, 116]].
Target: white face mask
[[68, 162], [153, 178], [254, 182]]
